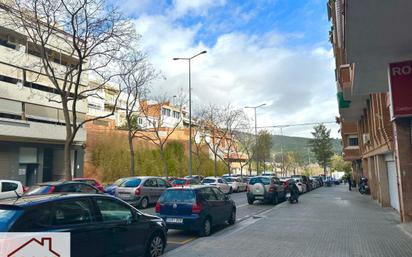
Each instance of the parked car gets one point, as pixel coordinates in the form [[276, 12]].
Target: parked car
[[236, 183], [218, 182], [11, 188], [141, 191], [286, 181], [99, 225], [196, 177], [180, 182], [301, 186], [319, 179], [305, 180], [61, 187], [91, 181], [196, 208], [265, 188], [111, 188]]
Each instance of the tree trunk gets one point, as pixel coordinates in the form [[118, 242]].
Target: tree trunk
[[324, 170], [67, 161], [250, 168], [131, 148], [241, 171], [215, 165], [165, 171], [67, 169]]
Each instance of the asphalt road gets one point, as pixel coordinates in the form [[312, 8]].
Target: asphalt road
[[178, 238]]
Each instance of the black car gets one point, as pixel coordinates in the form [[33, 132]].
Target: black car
[[196, 208], [62, 187], [99, 225]]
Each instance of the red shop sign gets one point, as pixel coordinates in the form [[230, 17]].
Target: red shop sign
[[400, 76]]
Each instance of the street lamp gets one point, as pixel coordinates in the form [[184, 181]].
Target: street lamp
[[190, 107], [256, 139]]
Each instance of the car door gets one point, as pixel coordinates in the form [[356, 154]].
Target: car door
[[128, 233], [150, 190], [161, 187], [209, 198], [222, 184], [8, 189], [279, 187], [222, 206]]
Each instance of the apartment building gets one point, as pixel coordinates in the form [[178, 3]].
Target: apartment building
[[32, 131], [369, 41]]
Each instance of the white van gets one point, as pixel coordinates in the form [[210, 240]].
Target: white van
[[9, 188]]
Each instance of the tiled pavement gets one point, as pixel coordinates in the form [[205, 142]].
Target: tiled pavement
[[328, 222]]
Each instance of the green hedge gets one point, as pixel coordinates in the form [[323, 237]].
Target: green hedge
[[111, 156]]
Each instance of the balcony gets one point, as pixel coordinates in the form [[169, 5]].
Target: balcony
[[11, 129], [376, 34]]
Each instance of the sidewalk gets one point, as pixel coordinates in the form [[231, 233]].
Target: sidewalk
[[328, 222]]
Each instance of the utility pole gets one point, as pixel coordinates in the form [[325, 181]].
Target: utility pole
[[256, 136], [281, 151], [190, 107]]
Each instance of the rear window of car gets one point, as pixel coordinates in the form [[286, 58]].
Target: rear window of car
[[262, 180], [209, 180], [184, 196], [131, 183], [118, 182], [179, 182], [38, 190], [7, 217], [87, 181]]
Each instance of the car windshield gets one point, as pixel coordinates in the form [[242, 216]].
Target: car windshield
[[185, 196], [6, 217], [229, 179], [134, 182], [209, 180], [262, 180], [179, 182], [38, 190]]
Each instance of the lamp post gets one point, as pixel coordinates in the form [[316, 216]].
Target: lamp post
[[190, 107], [256, 138]]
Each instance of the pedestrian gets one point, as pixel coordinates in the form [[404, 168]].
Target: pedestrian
[[350, 183]]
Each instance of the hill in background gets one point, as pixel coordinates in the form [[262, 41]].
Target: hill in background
[[300, 145]]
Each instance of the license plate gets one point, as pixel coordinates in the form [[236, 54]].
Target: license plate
[[259, 197], [174, 220], [288, 195]]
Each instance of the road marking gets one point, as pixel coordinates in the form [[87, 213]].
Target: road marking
[[242, 205], [181, 242]]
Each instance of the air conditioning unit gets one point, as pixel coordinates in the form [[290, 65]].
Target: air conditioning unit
[[365, 138]]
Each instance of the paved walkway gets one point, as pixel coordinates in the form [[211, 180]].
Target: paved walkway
[[328, 222]]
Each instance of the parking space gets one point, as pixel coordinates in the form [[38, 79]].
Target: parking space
[[177, 238]]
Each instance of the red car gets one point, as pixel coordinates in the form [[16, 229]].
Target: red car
[[180, 182], [91, 181]]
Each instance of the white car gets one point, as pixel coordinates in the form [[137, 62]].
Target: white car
[[10, 189], [219, 183], [301, 186], [236, 183]]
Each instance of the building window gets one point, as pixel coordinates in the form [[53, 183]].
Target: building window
[[166, 112], [353, 141], [176, 114]]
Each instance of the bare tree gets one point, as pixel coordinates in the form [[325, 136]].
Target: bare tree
[[135, 83], [220, 125], [160, 121], [89, 34], [245, 146]]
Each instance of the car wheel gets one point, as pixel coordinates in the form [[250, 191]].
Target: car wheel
[[155, 246], [275, 199], [250, 201], [144, 203], [232, 219], [206, 228]]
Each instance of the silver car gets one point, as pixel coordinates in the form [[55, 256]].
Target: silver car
[[141, 191]]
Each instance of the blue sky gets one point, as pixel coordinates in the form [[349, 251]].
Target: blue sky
[[261, 51]]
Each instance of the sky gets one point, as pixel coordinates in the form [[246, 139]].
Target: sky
[[258, 51]]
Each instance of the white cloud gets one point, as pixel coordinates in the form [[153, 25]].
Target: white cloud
[[193, 7], [298, 83]]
